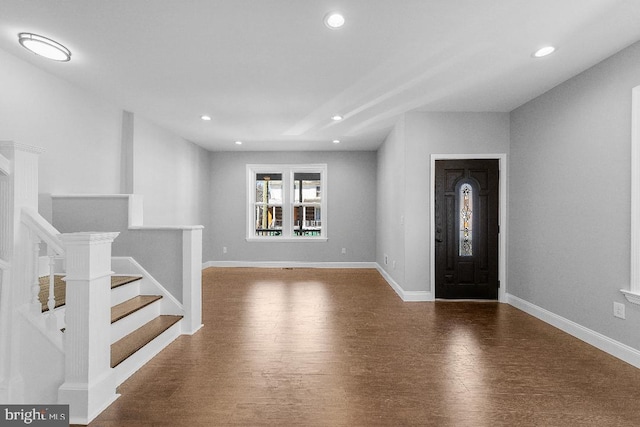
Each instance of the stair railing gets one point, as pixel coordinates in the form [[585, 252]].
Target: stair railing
[[5, 371], [171, 254], [42, 232], [89, 381]]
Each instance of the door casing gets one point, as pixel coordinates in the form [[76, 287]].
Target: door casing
[[502, 215]]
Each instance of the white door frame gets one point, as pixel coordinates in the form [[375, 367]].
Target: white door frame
[[502, 215]]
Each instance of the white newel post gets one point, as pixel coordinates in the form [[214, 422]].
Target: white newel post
[[192, 279], [89, 385]]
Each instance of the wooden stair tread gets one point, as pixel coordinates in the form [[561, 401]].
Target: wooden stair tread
[[117, 281], [131, 306], [59, 288], [133, 342]]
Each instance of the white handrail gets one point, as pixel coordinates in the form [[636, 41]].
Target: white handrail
[[45, 231]]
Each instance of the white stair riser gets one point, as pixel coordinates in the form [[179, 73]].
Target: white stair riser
[[135, 320], [125, 292], [146, 353]]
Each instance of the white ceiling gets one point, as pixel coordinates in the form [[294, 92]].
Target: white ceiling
[[272, 75]]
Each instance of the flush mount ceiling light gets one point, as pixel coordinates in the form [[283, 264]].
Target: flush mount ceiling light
[[334, 20], [44, 47], [336, 141], [205, 118], [547, 50], [337, 118], [238, 142]]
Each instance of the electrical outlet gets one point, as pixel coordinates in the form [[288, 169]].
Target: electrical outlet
[[344, 251], [224, 249], [618, 310], [394, 264]]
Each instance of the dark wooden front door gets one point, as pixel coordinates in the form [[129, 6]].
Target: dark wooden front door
[[466, 233]]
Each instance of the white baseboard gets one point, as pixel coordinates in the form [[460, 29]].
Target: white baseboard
[[407, 296], [288, 264], [596, 339]]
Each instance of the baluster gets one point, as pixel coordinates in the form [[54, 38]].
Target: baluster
[[52, 318], [36, 305]]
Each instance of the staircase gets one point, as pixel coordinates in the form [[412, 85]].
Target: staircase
[[139, 330], [73, 336]]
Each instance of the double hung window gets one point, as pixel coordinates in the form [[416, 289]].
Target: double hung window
[[286, 202]]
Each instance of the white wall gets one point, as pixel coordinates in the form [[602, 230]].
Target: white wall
[[79, 132], [351, 204], [570, 194], [83, 139], [172, 174], [439, 133], [425, 134]]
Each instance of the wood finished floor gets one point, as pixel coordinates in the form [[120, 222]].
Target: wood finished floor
[[316, 347]]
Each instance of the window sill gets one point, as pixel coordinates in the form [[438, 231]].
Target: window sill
[[286, 239], [632, 297]]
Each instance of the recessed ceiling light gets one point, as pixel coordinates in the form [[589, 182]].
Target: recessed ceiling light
[[336, 141], [337, 118], [238, 143], [547, 50], [205, 118], [44, 47], [334, 20]]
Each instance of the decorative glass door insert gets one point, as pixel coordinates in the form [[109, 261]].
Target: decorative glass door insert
[[466, 220]]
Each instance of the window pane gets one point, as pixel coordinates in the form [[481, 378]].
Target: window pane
[[268, 220], [307, 188], [466, 222], [269, 188], [307, 221]]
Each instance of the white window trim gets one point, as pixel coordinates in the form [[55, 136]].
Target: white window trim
[[287, 171], [633, 293]]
